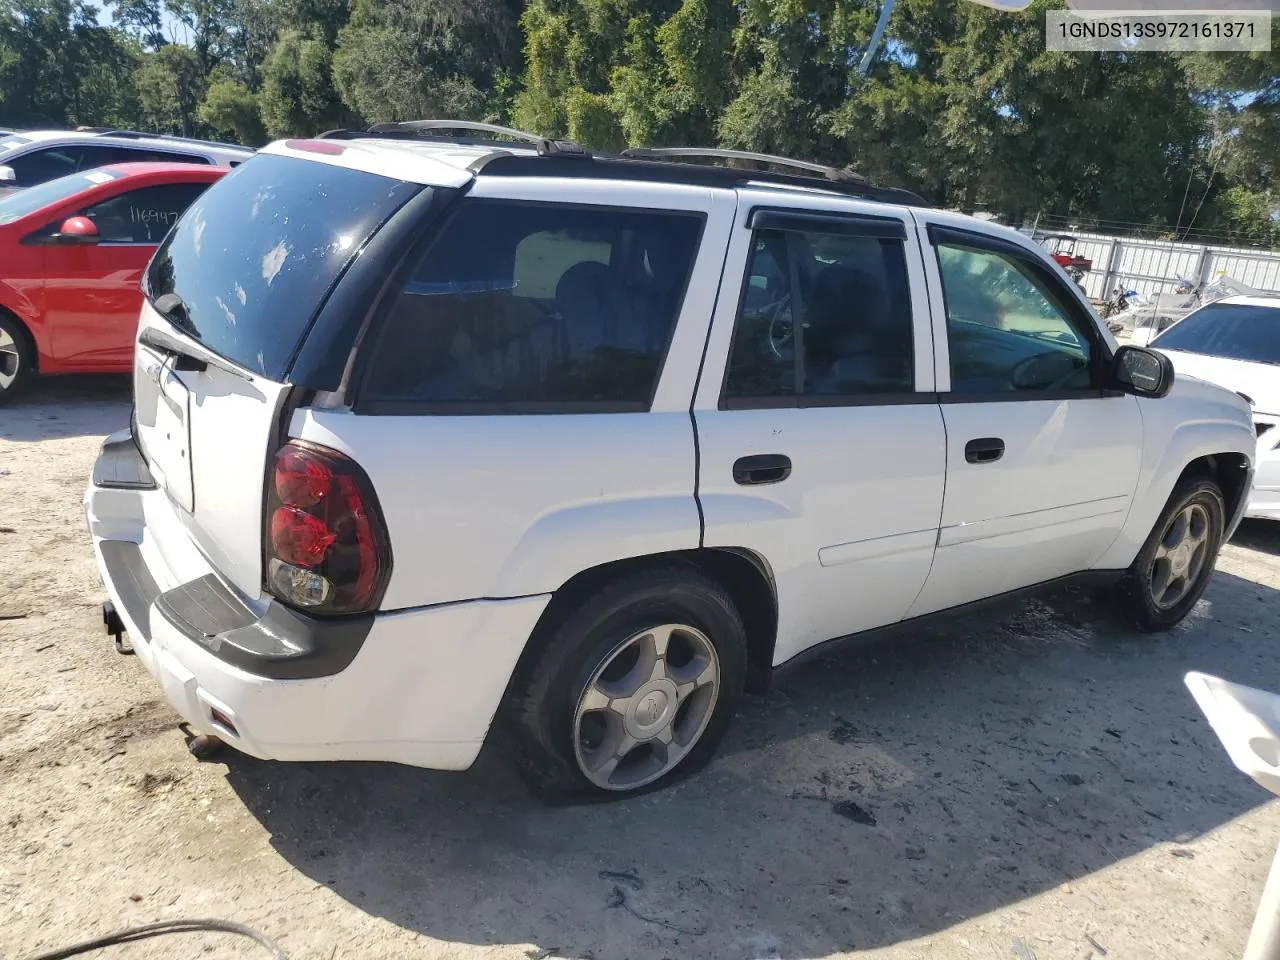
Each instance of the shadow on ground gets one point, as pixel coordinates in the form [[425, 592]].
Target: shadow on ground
[[874, 796], [71, 406], [1260, 535]]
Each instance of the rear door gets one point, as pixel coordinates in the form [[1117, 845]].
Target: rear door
[[242, 276], [92, 291], [523, 407], [821, 444]]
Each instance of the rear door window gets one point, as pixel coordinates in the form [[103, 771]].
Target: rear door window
[[535, 306], [254, 258]]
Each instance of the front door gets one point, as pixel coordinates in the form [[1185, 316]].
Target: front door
[[92, 293], [820, 441], [1042, 459]]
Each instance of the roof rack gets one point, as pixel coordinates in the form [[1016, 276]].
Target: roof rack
[[426, 128], [840, 174], [657, 170], [142, 135]]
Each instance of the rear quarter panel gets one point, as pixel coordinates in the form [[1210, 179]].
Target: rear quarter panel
[[1195, 420]]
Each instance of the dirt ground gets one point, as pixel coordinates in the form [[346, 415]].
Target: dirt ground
[[1030, 783]]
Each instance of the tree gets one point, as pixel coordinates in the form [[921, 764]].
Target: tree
[[298, 96], [170, 87], [411, 59], [231, 110]]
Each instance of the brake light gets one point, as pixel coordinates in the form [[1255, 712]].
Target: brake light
[[326, 544]]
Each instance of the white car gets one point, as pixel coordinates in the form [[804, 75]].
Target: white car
[[436, 436], [1235, 343], [35, 156]]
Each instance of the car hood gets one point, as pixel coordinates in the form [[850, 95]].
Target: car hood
[[1260, 382]]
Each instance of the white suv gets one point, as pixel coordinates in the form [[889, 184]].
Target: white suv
[[434, 436], [36, 156]]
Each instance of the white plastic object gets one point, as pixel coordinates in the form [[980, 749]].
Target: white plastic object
[[1247, 721]]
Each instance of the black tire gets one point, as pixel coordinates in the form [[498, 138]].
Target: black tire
[[20, 364], [1136, 587], [572, 645]]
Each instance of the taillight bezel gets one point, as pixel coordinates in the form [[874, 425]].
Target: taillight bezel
[[343, 466]]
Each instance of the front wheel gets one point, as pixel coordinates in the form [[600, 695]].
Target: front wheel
[[1176, 563], [632, 688]]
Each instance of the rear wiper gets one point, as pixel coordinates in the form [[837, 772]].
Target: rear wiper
[[187, 356]]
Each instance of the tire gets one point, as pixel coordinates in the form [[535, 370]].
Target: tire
[[1183, 574], [17, 359], [585, 693]]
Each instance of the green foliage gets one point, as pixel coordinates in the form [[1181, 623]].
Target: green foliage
[[297, 96], [407, 59], [231, 111], [961, 103]]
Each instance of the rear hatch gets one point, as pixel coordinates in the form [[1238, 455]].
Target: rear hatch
[[230, 296]]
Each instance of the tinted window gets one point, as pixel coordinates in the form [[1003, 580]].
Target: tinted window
[[23, 202], [1236, 330], [39, 166], [143, 216], [255, 256], [1006, 327], [142, 155], [519, 303], [851, 299]]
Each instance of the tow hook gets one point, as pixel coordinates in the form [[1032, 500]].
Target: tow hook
[[115, 627]]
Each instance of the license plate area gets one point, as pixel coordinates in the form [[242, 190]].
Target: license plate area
[[163, 412]]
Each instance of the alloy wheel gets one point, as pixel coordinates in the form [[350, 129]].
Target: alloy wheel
[[646, 706]]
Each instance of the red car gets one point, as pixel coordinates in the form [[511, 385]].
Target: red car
[[72, 252]]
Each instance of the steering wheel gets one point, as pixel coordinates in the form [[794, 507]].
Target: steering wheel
[[1051, 370], [780, 330]]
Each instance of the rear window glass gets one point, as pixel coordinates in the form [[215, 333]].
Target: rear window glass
[[10, 141], [1238, 331], [537, 305], [22, 202], [255, 256]]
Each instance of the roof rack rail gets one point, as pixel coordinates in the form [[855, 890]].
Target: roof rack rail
[[546, 146], [844, 175], [142, 135]]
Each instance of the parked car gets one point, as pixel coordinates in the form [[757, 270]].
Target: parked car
[[1235, 343], [579, 448], [72, 252], [37, 156]]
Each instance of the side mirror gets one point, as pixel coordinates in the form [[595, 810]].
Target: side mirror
[[1142, 372], [8, 177], [77, 230]]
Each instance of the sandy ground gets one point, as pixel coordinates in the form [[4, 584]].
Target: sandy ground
[[1030, 783]]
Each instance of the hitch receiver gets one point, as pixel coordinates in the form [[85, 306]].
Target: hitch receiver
[[115, 626]]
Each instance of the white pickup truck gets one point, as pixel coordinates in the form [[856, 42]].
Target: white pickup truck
[[438, 434]]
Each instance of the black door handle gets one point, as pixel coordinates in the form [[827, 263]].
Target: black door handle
[[761, 468], [984, 450]]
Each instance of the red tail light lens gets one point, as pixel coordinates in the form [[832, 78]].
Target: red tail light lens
[[327, 549]]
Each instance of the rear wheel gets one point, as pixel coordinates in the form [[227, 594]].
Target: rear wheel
[[1176, 563], [632, 688], [17, 361]]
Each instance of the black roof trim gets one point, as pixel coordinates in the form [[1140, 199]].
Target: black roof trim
[[504, 164]]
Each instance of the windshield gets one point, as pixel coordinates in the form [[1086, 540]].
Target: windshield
[[255, 257], [1238, 331], [19, 203]]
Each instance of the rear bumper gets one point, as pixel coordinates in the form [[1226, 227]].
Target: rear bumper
[[419, 687]]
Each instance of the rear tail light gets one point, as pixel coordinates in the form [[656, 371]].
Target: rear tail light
[[327, 549]]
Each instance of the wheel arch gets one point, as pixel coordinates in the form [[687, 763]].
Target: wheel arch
[[743, 573], [1230, 471], [25, 329]]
